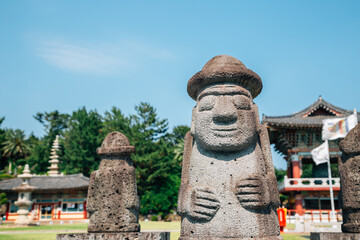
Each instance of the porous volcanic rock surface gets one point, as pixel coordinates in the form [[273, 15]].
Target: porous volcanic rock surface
[[349, 168], [228, 185]]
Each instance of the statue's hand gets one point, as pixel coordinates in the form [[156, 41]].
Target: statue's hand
[[204, 204], [252, 192]]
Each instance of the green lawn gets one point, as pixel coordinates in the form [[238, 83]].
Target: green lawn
[[37, 235], [295, 237], [58, 227], [32, 236]]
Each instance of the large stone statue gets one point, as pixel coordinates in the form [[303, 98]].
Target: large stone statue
[[349, 168], [228, 185]]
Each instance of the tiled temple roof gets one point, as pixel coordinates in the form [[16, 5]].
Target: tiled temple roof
[[45, 183], [310, 117]]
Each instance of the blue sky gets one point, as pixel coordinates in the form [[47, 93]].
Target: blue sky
[[67, 54]]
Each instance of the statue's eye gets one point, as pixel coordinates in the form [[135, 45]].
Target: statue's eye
[[206, 103], [241, 102]]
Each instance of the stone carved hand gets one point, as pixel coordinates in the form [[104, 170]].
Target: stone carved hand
[[252, 192], [204, 204]]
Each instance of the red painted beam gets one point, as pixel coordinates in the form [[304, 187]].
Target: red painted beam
[[292, 189]]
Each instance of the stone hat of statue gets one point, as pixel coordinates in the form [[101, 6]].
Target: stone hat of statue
[[115, 144], [224, 69]]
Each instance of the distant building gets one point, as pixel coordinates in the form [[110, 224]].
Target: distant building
[[294, 136], [54, 197]]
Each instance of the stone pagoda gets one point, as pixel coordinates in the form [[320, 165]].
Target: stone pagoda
[[54, 168], [24, 198]]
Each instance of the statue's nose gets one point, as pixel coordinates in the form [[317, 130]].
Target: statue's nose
[[224, 110]]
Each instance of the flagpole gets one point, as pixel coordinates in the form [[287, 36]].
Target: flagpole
[[333, 216]]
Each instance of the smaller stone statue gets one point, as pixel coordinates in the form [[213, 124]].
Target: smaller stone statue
[[113, 202], [349, 168]]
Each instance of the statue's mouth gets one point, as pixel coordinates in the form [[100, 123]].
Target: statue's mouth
[[222, 129], [225, 132]]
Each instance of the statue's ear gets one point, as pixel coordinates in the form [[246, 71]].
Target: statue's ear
[[256, 110], [192, 129]]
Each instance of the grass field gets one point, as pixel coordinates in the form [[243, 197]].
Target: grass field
[[48, 232]]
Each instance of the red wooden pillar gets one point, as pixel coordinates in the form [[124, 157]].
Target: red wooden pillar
[[85, 212], [7, 211], [295, 166], [296, 174], [298, 203], [59, 212]]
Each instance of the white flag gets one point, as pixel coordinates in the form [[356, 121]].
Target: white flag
[[321, 153], [335, 128]]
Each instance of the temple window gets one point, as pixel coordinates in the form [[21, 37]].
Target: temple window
[[72, 205]]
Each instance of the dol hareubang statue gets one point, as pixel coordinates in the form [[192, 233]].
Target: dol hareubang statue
[[228, 186]]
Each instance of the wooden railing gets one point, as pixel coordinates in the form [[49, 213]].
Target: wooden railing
[[314, 215], [308, 183]]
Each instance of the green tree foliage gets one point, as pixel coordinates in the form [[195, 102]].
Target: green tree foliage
[[3, 198], [179, 133], [280, 174], [157, 176], [3, 159], [178, 139], [157, 158], [307, 170], [54, 123], [115, 121], [39, 157], [81, 141], [158, 171], [15, 146]]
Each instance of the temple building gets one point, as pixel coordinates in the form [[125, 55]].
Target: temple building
[[54, 196], [294, 136]]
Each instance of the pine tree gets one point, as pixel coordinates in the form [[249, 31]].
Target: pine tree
[[81, 141]]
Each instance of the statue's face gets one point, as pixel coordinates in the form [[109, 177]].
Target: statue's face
[[224, 118]]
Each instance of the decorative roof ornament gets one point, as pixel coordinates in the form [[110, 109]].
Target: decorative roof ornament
[[54, 168]]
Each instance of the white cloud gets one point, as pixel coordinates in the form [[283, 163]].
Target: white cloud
[[104, 58]]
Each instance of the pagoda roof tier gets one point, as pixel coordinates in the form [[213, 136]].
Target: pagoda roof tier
[[46, 183], [310, 117]]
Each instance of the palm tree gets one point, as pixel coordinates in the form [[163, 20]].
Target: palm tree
[[179, 151], [15, 146]]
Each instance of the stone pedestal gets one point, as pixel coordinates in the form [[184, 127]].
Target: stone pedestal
[[335, 236], [236, 238], [115, 236]]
